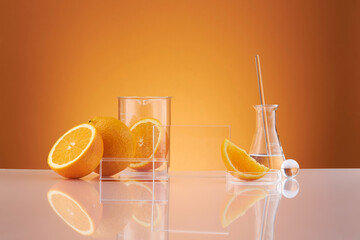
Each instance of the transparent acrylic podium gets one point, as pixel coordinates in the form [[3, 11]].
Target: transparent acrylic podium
[[273, 176], [192, 148]]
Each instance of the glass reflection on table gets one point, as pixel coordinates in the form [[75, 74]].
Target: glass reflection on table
[[181, 208]]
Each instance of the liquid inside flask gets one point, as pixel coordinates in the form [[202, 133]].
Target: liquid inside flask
[[272, 155]]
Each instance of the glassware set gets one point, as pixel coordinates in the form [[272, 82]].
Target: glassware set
[[149, 118]]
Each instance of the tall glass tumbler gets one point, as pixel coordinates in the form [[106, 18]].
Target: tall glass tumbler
[[149, 118]]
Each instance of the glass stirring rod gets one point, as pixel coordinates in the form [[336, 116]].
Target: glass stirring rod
[[262, 102]]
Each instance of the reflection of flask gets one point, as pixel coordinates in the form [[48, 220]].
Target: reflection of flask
[[250, 211], [272, 156], [266, 216]]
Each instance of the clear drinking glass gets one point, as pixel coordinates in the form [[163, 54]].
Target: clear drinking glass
[[271, 156], [133, 109], [149, 110]]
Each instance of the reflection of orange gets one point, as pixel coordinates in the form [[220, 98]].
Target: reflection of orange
[[115, 214], [237, 205], [114, 219], [148, 136], [240, 164], [144, 212], [76, 202]]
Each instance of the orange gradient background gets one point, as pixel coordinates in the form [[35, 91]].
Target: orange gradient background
[[64, 62]]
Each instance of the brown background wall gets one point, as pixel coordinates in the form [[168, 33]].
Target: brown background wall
[[63, 62]]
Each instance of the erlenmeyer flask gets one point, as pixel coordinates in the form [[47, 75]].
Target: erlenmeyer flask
[[272, 156]]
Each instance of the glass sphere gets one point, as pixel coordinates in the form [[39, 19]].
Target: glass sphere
[[290, 168]]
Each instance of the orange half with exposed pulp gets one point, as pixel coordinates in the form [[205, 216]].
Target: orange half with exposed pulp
[[77, 153]]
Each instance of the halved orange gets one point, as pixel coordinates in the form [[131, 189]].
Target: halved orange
[[77, 153], [237, 204], [240, 164], [147, 135]]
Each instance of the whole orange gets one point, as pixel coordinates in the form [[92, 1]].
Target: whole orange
[[118, 144]]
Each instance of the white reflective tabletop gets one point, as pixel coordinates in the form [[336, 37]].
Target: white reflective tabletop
[[319, 204]]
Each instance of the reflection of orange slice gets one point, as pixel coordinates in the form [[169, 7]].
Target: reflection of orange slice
[[139, 191], [144, 132], [237, 205], [144, 211], [240, 163], [76, 202]]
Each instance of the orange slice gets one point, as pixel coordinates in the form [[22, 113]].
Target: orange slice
[[144, 132], [77, 153], [76, 202], [237, 205], [240, 164]]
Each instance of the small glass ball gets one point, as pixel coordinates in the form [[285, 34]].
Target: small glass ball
[[290, 168], [290, 188]]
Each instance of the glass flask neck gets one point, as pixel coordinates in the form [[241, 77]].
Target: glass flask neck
[[269, 114]]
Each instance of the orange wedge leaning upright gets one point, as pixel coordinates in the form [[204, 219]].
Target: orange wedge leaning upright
[[240, 164], [77, 153]]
